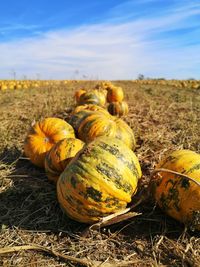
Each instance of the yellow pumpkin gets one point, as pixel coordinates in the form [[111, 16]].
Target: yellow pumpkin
[[104, 85], [179, 196], [60, 155], [91, 107], [43, 135], [99, 181]]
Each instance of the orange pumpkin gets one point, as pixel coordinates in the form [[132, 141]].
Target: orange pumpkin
[[60, 155], [115, 94], [78, 94], [118, 108], [43, 135]]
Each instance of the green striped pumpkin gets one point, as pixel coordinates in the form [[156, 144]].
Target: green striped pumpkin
[[77, 117], [90, 107], [118, 108], [93, 97], [125, 133], [179, 196], [97, 124], [60, 155], [99, 181]]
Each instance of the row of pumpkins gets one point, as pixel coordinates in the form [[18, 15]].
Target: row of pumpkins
[[91, 160], [29, 84], [190, 84]]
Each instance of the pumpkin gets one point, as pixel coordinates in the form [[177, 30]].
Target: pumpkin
[[95, 124], [78, 94], [99, 181], [179, 196], [43, 135], [91, 107], [118, 108], [125, 133], [104, 85], [93, 97], [115, 94], [103, 91], [81, 112], [77, 117], [59, 156]]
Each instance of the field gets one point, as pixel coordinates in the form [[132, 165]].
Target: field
[[163, 118]]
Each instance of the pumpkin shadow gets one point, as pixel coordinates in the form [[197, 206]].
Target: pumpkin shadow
[[28, 200], [150, 223], [9, 155]]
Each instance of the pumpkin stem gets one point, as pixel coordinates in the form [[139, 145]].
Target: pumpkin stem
[[115, 218], [176, 173]]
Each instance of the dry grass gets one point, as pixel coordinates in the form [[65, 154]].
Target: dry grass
[[162, 117]]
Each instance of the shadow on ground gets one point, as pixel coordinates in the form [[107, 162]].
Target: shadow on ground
[[30, 202]]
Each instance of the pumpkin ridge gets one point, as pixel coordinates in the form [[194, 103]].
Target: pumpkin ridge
[[113, 161], [97, 183], [95, 178], [193, 168], [82, 196], [178, 195], [114, 151]]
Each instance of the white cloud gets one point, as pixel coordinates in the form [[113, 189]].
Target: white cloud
[[106, 51]]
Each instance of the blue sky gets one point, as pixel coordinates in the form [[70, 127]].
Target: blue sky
[[104, 39]]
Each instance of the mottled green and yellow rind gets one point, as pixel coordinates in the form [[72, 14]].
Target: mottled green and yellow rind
[[99, 181], [60, 155], [118, 108], [93, 97], [179, 197], [92, 124]]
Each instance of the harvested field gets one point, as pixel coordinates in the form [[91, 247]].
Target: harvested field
[[163, 118]]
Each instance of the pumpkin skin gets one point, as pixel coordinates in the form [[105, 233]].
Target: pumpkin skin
[[59, 156], [118, 108], [96, 124], [125, 133], [79, 115], [43, 135], [115, 94], [76, 118], [91, 107], [104, 85], [93, 97], [78, 94], [179, 197], [99, 181], [104, 92]]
